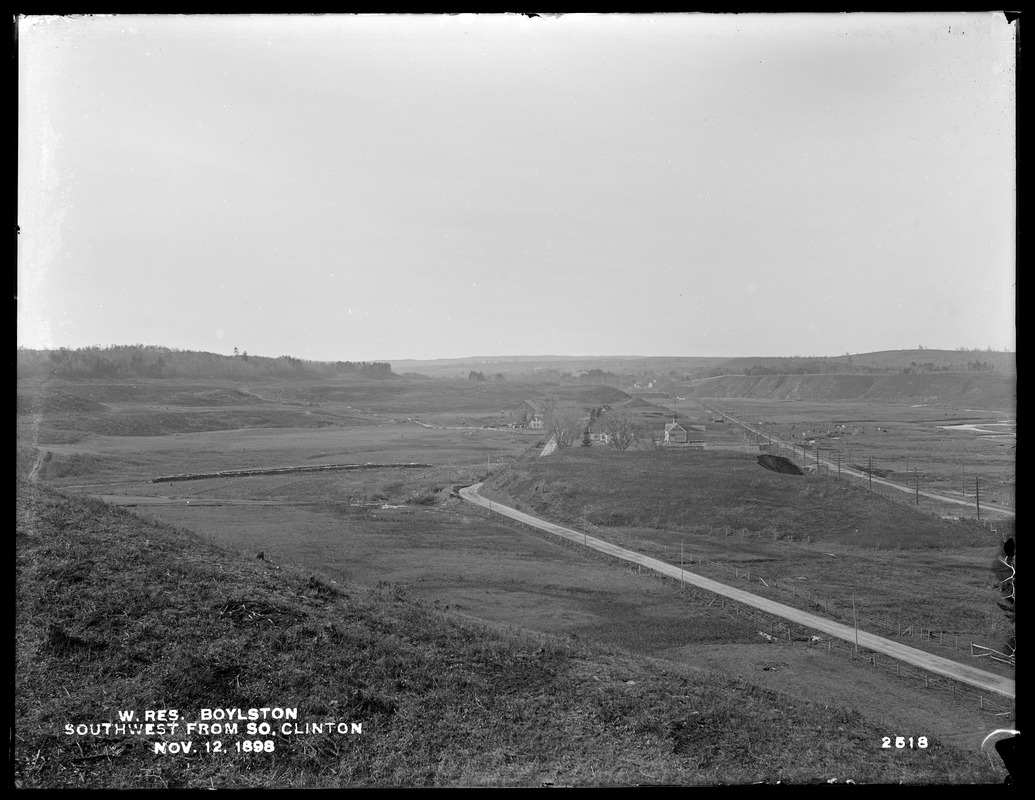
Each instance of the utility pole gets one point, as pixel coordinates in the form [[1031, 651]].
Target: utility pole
[[964, 480], [681, 584], [838, 463], [855, 621], [869, 472], [917, 475], [977, 496]]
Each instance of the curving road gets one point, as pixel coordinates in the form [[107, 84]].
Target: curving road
[[909, 655]]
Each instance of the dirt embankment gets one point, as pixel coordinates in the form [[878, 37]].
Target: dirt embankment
[[979, 391], [237, 473]]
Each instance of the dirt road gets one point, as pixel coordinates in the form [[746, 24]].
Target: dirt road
[[854, 473], [909, 655]]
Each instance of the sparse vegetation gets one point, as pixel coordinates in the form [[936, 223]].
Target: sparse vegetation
[[368, 583], [138, 615], [563, 422]]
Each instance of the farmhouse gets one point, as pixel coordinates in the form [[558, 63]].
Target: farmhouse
[[683, 434], [530, 414], [596, 430]]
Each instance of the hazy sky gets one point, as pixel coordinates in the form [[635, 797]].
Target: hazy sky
[[383, 187]]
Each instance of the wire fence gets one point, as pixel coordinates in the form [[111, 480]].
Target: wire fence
[[777, 629], [886, 624], [974, 495]]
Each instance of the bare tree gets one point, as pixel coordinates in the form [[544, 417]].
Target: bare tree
[[621, 430], [564, 421], [653, 440]]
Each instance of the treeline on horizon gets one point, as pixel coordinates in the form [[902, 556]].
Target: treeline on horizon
[[153, 361]]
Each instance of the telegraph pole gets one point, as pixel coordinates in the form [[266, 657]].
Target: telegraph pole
[[869, 472], [977, 496], [855, 622], [917, 476]]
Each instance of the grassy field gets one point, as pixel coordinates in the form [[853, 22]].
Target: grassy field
[[408, 528], [833, 537], [902, 441], [117, 613]]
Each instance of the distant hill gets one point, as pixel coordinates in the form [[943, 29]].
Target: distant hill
[[625, 369], [555, 367], [986, 391], [147, 361]]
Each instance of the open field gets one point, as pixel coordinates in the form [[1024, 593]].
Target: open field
[[947, 447], [407, 527], [833, 538], [115, 613]]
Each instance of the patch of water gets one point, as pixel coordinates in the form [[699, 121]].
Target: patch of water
[[978, 428]]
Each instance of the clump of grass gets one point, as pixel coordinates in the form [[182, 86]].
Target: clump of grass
[[424, 497]]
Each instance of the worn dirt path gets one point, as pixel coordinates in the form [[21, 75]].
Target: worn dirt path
[[37, 465], [909, 655]]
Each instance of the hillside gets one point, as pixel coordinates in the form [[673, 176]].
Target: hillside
[[706, 491], [117, 613], [984, 391]]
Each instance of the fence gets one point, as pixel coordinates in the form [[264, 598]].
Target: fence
[[777, 629], [973, 496], [883, 623], [783, 630]]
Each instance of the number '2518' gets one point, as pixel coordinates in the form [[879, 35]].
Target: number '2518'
[[901, 742]]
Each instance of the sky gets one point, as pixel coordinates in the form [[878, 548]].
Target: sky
[[416, 187]]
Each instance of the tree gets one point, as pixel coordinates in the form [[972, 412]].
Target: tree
[[564, 421], [620, 429]]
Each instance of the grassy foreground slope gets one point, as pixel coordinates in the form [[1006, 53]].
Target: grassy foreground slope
[[116, 612]]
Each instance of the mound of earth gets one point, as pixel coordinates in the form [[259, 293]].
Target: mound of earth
[[779, 464], [59, 403]]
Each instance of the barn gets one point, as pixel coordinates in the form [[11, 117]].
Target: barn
[[683, 434]]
